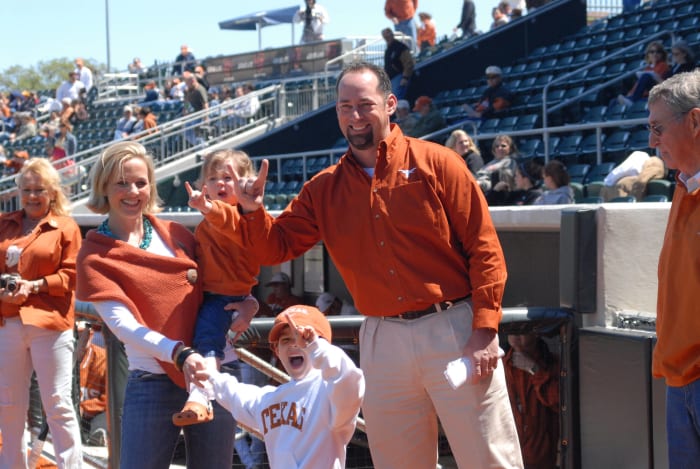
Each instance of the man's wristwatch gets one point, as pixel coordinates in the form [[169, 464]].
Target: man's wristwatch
[[35, 287]]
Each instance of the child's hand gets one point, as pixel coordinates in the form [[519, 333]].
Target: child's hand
[[193, 365], [198, 200], [303, 335]]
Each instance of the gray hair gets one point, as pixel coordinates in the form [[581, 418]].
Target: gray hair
[[680, 93]]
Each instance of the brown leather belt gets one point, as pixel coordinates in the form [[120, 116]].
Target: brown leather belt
[[434, 308]]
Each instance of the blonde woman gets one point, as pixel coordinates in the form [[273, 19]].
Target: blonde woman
[[462, 144], [38, 248]]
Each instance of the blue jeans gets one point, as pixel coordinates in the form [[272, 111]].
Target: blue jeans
[[397, 88], [212, 325], [683, 425], [408, 27], [149, 436]]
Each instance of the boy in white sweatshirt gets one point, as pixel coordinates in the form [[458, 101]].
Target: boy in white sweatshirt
[[307, 422]]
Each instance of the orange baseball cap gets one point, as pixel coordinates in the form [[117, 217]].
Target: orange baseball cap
[[302, 315]]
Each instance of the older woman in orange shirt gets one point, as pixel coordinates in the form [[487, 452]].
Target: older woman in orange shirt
[[38, 249]]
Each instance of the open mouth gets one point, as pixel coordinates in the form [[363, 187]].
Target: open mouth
[[296, 362]]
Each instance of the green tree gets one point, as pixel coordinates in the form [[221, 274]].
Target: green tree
[[46, 75]]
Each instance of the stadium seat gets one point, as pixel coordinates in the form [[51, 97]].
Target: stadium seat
[[578, 191], [596, 74], [616, 112], [527, 122], [638, 110], [530, 147], [569, 145], [591, 200], [661, 187], [489, 125], [623, 199], [655, 198], [616, 146], [639, 140], [577, 172], [598, 172], [589, 148], [594, 114], [507, 124]]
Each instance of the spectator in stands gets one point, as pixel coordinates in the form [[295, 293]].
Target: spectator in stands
[[69, 88], [314, 16], [136, 67], [14, 164], [674, 113], [5, 109], [429, 118], [683, 57], [67, 110], [404, 118], [39, 243], [201, 74], [281, 296], [64, 145], [247, 106], [527, 183], [196, 100], [125, 124], [467, 22], [28, 102], [25, 127], [513, 8], [151, 92], [655, 70], [139, 273], [176, 89], [80, 112], [146, 120], [495, 99], [499, 174], [401, 13], [398, 64], [556, 180], [532, 376], [84, 74], [462, 144], [630, 177], [184, 61], [499, 18], [331, 305], [426, 31]]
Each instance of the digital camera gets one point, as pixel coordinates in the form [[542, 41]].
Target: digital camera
[[9, 281]]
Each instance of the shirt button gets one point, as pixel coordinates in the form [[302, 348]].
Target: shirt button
[[376, 217], [381, 243], [400, 298], [375, 190], [391, 271]]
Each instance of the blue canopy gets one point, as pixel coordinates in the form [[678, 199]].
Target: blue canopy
[[261, 19]]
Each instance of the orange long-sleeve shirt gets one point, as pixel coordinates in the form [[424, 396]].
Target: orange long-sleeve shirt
[[49, 252], [417, 233], [226, 267], [427, 33], [677, 351], [400, 9]]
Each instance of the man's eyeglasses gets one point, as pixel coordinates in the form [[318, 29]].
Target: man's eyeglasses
[[658, 129]]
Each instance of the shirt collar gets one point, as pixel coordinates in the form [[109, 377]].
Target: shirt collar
[[692, 183]]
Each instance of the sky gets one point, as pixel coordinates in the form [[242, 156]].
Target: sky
[[153, 30]]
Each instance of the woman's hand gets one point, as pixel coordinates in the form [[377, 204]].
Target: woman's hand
[[19, 295]]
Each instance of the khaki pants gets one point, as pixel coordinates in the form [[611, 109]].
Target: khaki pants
[[403, 362]]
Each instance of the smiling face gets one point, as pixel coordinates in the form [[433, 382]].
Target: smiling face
[[363, 111], [128, 191], [35, 197], [294, 359]]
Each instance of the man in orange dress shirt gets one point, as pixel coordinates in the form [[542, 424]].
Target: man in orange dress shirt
[[419, 254]]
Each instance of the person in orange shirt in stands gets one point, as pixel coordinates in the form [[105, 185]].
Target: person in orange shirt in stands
[[401, 13], [426, 31], [410, 233], [281, 297]]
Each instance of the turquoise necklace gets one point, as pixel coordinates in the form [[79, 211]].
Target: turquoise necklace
[[147, 232]]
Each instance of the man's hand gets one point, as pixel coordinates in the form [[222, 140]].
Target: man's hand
[[194, 364], [198, 200], [250, 190], [483, 352], [245, 311]]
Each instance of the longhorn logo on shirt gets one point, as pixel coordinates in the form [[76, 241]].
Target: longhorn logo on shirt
[[407, 172], [282, 413]]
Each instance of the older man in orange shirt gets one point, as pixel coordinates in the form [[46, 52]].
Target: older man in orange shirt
[[420, 256]]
